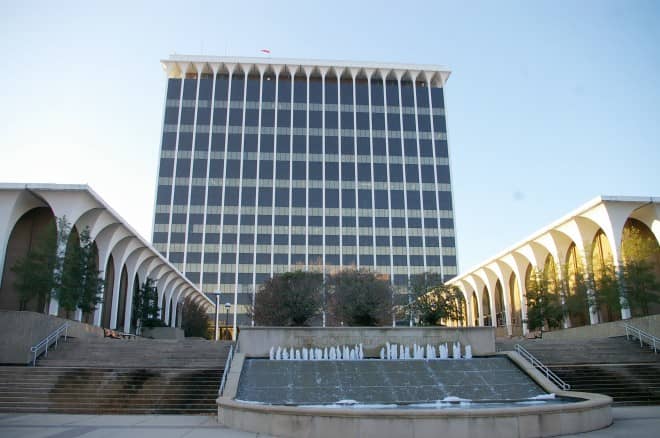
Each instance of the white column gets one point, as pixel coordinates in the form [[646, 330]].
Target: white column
[[256, 190]]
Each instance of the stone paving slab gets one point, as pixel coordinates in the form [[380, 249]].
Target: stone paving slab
[[629, 422]]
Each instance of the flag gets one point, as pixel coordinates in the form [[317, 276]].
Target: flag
[[265, 51]]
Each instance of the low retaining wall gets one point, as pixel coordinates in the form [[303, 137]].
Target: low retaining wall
[[257, 341], [163, 333], [22, 330], [649, 324]]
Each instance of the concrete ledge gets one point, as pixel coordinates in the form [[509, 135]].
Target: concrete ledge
[[649, 324], [22, 329], [257, 341], [163, 333], [531, 421]]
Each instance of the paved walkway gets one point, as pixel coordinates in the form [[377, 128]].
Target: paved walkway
[[635, 422]]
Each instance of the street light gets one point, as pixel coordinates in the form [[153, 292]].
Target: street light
[[217, 313], [227, 307]]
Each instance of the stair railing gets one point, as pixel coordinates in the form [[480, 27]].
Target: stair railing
[[634, 332], [542, 368], [225, 373], [46, 342]]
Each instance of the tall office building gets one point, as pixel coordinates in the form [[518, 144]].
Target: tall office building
[[271, 164]]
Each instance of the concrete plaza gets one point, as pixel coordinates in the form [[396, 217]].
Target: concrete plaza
[[638, 422]]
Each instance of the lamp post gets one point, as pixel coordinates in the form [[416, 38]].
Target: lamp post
[[227, 307], [217, 314]]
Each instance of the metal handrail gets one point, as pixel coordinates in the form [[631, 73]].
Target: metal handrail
[[223, 381], [634, 332], [544, 369], [53, 337]]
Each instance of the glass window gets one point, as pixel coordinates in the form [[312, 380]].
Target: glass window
[[380, 172], [349, 260], [330, 90], [300, 89], [231, 195], [280, 259], [315, 221], [299, 170], [331, 145], [400, 260], [332, 221], [412, 174], [331, 120], [382, 241], [364, 172], [315, 198], [263, 239], [415, 241], [268, 118], [282, 169], [247, 219], [263, 258], [265, 196], [299, 144], [229, 238], [395, 147], [332, 198], [398, 222], [429, 200], [315, 170], [315, 90], [298, 197], [348, 198], [315, 119], [364, 198], [349, 240], [396, 172], [347, 171], [362, 120], [297, 221], [250, 143], [410, 148], [346, 120], [347, 145], [396, 197], [248, 196], [267, 143], [348, 221], [444, 200], [366, 260], [437, 98], [315, 144], [366, 240], [413, 200], [331, 171], [246, 238], [281, 239], [332, 240], [430, 222], [282, 219], [332, 259], [281, 197], [382, 260], [315, 239], [249, 169], [380, 198], [448, 242]]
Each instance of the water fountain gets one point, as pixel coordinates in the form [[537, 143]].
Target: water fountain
[[395, 382]]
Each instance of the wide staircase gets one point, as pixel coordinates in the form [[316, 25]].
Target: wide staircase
[[118, 376], [615, 366]]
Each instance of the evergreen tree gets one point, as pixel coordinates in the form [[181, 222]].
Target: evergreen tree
[[35, 277], [81, 286], [145, 305], [432, 300], [195, 320], [641, 283], [544, 308]]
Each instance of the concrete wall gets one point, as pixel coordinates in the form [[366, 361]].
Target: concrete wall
[[22, 330], [163, 333], [649, 324], [257, 341]]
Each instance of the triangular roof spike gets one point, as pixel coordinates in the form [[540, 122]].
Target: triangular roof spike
[[377, 75], [346, 74], [361, 74], [421, 77], [392, 76], [331, 73], [238, 70], [406, 76]]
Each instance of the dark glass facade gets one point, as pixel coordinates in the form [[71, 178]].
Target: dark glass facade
[[264, 169]]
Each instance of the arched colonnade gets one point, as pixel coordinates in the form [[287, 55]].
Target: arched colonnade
[[590, 236], [124, 258]]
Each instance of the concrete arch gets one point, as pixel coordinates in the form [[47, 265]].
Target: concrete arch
[[26, 234]]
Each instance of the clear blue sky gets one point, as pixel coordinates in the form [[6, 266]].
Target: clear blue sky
[[550, 103]]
